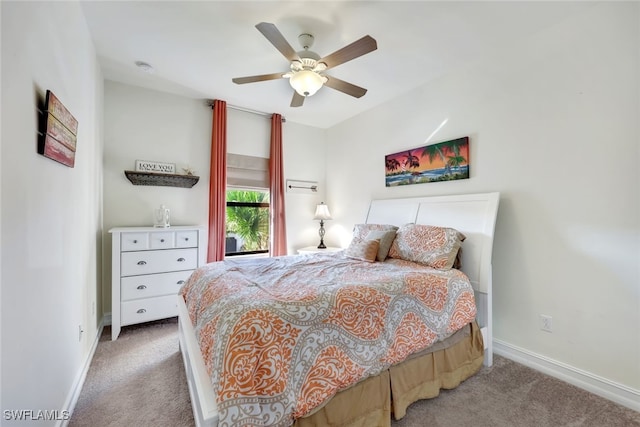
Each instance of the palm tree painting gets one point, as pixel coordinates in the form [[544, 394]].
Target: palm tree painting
[[444, 161]]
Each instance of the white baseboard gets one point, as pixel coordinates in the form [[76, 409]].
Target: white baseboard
[[74, 394], [603, 387]]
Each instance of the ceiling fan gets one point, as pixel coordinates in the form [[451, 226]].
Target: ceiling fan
[[307, 68]]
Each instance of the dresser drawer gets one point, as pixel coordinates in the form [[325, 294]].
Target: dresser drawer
[[152, 285], [134, 241], [161, 240], [148, 309], [186, 239], [149, 262]]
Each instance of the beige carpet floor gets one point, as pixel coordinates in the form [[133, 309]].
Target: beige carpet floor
[[139, 380]]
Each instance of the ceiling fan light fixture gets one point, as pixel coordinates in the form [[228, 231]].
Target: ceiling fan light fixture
[[306, 82], [307, 67]]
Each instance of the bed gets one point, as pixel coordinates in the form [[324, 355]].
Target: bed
[[403, 340]]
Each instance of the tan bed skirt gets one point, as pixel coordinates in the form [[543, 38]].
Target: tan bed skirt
[[370, 404]]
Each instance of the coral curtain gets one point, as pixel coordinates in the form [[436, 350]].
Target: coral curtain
[[276, 184], [218, 183]]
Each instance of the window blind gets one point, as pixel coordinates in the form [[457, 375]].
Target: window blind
[[247, 171]]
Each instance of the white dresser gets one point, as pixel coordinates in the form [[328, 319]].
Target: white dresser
[[149, 265]]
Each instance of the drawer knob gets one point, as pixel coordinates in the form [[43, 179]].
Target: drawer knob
[[162, 240], [186, 238], [180, 282], [141, 311], [181, 259], [135, 241], [142, 262], [141, 287]]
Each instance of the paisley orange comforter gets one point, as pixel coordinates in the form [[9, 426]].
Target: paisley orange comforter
[[280, 336]]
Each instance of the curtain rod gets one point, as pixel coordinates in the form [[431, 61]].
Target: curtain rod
[[247, 110]]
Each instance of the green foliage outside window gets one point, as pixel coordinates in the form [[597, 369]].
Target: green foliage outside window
[[248, 217]]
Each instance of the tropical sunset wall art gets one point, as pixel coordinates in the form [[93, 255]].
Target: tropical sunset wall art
[[444, 161]]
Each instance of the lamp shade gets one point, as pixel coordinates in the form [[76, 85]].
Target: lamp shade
[[306, 82], [322, 212]]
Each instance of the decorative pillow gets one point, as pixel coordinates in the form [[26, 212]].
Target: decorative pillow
[[363, 250], [436, 247], [386, 239], [458, 261], [360, 231]]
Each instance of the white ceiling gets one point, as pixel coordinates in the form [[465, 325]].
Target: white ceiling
[[197, 47]]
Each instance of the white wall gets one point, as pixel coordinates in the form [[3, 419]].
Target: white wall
[[51, 214], [553, 126], [304, 153], [143, 124], [1, 406]]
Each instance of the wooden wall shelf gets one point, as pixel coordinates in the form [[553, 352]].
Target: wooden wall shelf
[[161, 179]]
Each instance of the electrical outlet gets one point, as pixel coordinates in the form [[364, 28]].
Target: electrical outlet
[[546, 323], [80, 331]]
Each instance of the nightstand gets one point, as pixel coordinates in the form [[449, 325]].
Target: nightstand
[[313, 249]]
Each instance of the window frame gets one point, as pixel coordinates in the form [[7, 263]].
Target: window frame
[[247, 205]]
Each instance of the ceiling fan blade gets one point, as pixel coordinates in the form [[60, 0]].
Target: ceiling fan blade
[[277, 39], [297, 99], [354, 50], [345, 87], [260, 78]]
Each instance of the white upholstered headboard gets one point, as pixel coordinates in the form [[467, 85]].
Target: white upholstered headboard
[[472, 214]]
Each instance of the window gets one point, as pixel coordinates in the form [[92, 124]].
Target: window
[[247, 222]]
